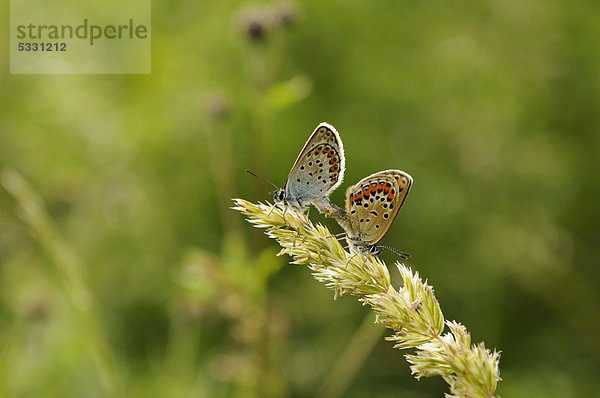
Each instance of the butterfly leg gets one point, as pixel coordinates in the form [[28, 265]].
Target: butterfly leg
[[296, 235], [284, 211], [354, 255], [365, 262], [304, 213], [337, 236]]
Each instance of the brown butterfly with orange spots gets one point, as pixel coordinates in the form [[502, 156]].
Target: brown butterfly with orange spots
[[372, 204]]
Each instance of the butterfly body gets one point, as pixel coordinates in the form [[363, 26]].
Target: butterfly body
[[318, 170], [372, 204]]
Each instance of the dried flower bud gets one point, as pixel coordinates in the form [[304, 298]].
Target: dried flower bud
[[218, 106], [255, 22], [287, 14], [38, 311]]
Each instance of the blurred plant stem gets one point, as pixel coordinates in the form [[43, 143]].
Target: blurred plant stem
[[260, 113], [264, 27], [235, 283], [221, 157], [69, 267], [352, 358], [9, 346]]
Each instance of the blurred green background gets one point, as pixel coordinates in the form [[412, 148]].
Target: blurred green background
[[123, 272]]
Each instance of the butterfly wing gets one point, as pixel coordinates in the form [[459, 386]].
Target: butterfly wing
[[319, 168], [373, 204]]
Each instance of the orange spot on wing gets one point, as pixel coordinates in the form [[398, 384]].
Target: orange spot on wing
[[356, 197]]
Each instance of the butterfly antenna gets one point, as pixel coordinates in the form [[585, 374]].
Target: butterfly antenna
[[402, 255], [261, 178]]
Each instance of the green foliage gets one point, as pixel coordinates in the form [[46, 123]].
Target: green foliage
[[491, 107]]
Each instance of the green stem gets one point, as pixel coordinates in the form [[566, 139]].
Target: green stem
[[349, 363], [69, 266]]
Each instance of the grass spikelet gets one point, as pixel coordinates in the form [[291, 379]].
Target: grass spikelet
[[412, 311]]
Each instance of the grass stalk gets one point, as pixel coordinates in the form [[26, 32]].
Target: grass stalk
[[412, 312], [69, 266]]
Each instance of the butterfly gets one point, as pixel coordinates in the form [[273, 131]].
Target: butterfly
[[372, 204], [318, 171]]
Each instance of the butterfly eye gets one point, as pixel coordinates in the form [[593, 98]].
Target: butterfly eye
[[279, 195]]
